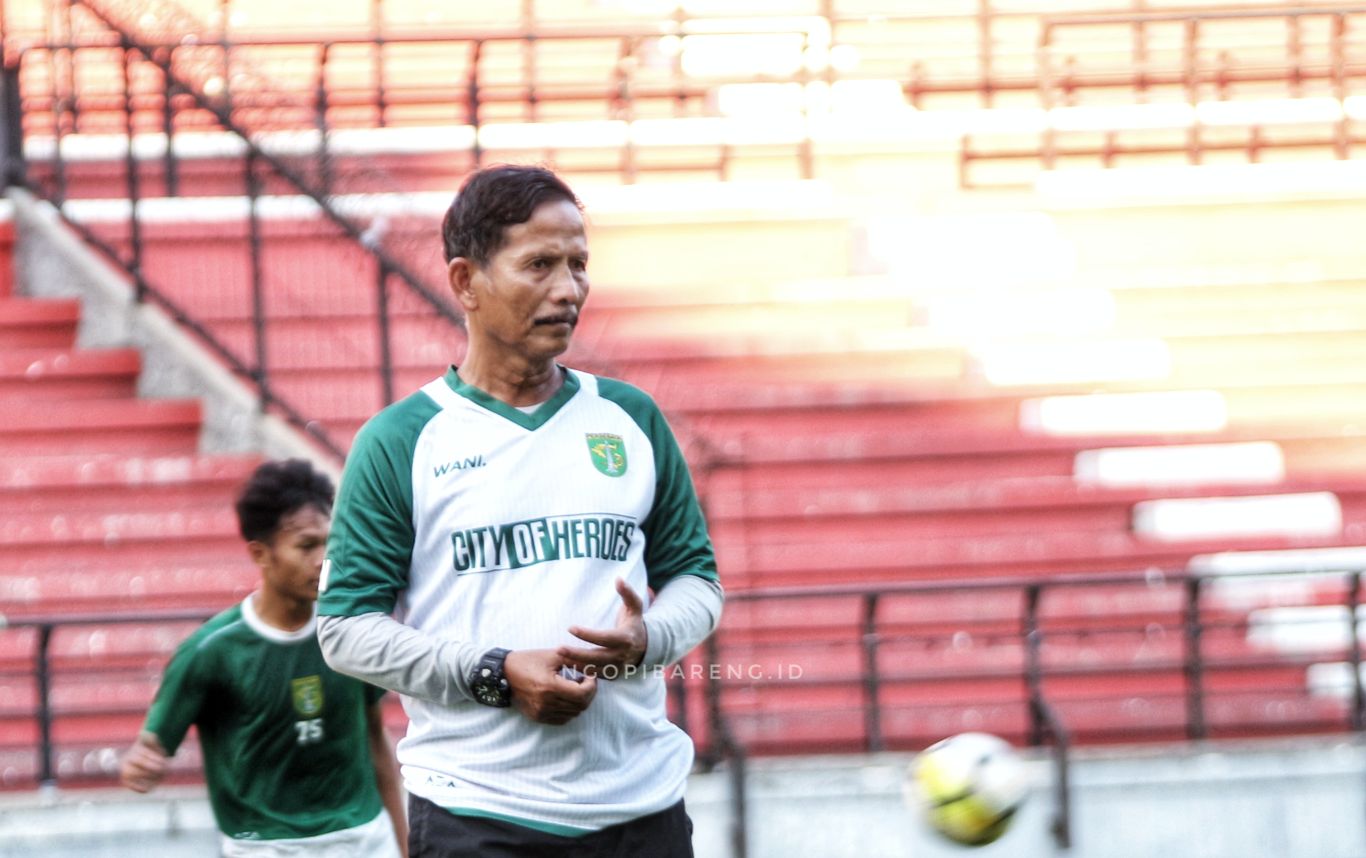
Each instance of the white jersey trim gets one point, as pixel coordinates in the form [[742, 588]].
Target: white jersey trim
[[271, 633]]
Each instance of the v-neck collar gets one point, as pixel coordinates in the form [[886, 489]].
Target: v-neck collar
[[532, 421]]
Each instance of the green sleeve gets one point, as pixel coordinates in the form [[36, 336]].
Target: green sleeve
[[676, 539], [181, 695], [371, 544]]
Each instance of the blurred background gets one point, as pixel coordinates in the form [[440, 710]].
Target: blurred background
[[1018, 347]]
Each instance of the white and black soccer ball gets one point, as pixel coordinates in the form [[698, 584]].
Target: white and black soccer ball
[[968, 787]]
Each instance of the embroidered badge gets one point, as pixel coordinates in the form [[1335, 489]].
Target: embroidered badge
[[608, 453], [308, 695]]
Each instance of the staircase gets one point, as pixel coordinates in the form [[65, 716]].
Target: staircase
[[108, 507]]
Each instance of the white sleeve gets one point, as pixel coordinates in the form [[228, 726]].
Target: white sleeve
[[684, 612], [382, 651]]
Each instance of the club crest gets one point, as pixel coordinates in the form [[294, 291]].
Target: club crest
[[308, 695], [608, 453]]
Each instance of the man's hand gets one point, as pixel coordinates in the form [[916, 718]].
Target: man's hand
[[618, 650], [541, 692], [144, 764]]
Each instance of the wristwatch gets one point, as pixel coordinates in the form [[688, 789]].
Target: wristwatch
[[487, 682]]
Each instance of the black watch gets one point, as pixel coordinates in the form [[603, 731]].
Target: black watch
[[487, 682]]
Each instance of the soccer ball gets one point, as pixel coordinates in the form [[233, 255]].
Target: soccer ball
[[968, 787]]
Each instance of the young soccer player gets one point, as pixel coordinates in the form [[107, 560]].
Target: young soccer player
[[295, 755]]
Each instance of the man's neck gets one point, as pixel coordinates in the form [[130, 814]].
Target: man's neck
[[281, 612], [511, 381]]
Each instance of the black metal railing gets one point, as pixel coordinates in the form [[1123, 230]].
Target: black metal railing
[[1050, 642], [160, 86], [44, 672], [143, 663], [55, 107], [362, 73], [1054, 654], [1045, 724], [260, 170]]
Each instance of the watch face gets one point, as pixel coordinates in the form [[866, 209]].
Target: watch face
[[489, 687], [488, 696]]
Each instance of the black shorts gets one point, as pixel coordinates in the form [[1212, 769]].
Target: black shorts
[[434, 832]]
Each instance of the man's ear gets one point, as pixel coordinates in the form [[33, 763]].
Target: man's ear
[[260, 553], [460, 272]]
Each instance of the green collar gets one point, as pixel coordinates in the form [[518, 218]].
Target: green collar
[[532, 421]]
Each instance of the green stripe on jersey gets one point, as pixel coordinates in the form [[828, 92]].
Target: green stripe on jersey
[[544, 827], [676, 533], [373, 517]]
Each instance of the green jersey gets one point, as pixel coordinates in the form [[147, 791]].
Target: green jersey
[[283, 735]]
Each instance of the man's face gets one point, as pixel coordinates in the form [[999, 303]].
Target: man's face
[[525, 301], [292, 562]]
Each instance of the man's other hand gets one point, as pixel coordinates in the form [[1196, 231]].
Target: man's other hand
[[619, 650]]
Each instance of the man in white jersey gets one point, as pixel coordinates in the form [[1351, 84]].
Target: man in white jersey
[[497, 540]]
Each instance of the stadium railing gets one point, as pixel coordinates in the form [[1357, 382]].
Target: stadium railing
[[1200, 634], [90, 678], [538, 70], [260, 170], [106, 82], [1162, 76], [1060, 685], [169, 86], [930, 659], [46, 668]]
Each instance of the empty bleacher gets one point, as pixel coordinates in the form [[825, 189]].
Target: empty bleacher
[[880, 382]]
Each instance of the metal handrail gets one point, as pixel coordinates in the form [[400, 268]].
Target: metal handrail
[[144, 289], [1045, 722], [1046, 726], [223, 114], [386, 264], [1050, 21], [1190, 74], [723, 745], [160, 54], [42, 668]]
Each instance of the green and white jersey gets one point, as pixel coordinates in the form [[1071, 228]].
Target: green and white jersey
[[283, 735], [474, 521]]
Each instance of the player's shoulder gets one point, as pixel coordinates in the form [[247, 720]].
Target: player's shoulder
[[399, 422], [216, 631], [631, 398]]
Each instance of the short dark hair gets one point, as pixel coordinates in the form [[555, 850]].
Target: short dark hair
[[491, 200], [278, 489]]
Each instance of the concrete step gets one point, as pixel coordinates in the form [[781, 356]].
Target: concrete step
[[848, 447], [134, 427], [45, 542], [129, 588], [104, 483], [27, 323], [29, 376], [129, 645], [747, 565], [970, 511]]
